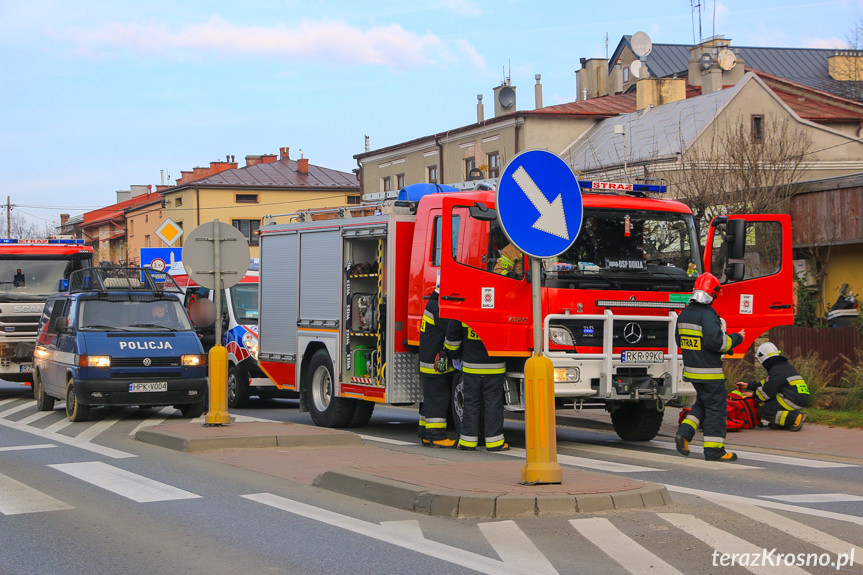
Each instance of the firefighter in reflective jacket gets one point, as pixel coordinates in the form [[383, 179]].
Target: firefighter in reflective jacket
[[436, 372], [783, 395], [510, 263], [702, 339], [483, 379]]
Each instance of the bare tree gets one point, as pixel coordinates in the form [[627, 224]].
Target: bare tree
[[26, 228]]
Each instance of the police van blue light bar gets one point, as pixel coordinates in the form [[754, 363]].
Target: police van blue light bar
[[621, 187]]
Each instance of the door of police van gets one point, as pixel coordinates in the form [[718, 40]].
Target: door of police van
[[751, 256], [482, 283]]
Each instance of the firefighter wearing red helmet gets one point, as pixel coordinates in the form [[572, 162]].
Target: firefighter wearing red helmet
[[701, 337]]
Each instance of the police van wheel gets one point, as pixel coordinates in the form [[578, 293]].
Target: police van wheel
[[325, 409], [238, 391], [193, 410], [75, 411], [636, 420], [44, 402]]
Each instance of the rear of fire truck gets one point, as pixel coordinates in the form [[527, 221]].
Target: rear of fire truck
[[30, 271]]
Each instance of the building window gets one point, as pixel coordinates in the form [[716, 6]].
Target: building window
[[431, 174], [386, 184], [249, 229], [757, 129], [494, 165], [625, 74], [147, 241], [354, 200], [146, 218], [246, 198], [400, 181], [178, 202], [131, 228], [469, 164], [179, 241]]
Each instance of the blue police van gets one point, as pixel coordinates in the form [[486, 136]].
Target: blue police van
[[118, 337]]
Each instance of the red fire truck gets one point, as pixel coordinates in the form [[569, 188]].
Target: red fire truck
[[30, 271], [343, 291]]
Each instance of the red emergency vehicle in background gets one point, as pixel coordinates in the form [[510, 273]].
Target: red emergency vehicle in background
[[343, 291], [30, 271]]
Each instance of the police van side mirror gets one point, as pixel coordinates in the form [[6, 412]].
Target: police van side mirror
[[61, 325]]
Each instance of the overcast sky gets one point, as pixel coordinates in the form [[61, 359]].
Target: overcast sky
[[96, 96]]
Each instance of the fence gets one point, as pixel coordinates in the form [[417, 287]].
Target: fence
[[838, 346]]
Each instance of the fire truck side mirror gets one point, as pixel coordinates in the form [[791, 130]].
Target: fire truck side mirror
[[734, 272], [736, 239], [480, 211]]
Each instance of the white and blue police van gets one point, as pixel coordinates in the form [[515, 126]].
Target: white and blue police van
[[118, 337]]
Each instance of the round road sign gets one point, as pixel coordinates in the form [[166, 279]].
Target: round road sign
[[199, 254], [157, 265]]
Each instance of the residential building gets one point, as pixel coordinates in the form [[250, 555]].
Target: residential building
[[142, 221], [105, 229]]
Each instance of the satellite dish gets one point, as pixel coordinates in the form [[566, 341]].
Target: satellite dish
[[706, 61], [637, 68], [506, 97], [641, 44], [726, 59]]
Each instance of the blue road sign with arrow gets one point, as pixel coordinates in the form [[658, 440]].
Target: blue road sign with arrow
[[539, 204]]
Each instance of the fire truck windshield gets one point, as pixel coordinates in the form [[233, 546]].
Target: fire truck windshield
[[629, 249], [33, 278]]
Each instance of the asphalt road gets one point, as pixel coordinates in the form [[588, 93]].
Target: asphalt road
[[87, 498]]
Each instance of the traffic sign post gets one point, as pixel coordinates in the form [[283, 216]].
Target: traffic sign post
[[216, 256], [539, 206]]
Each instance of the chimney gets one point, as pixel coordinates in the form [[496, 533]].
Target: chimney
[[615, 81], [284, 153], [252, 160], [480, 109], [368, 143], [63, 219], [268, 158], [711, 80], [138, 190], [303, 166], [537, 91], [657, 91], [216, 167], [504, 99], [200, 173], [123, 195]]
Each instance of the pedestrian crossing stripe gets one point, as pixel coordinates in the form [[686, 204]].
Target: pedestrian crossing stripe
[[124, 483], [17, 498]]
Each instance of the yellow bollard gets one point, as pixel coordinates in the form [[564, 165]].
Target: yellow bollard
[[218, 372], [540, 429]]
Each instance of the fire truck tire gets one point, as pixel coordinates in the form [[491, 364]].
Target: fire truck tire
[[636, 421], [44, 402], [362, 413], [326, 410], [75, 410], [238, 389], [456, 412]]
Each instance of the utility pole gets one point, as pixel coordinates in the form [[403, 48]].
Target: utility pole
[[8, 217]]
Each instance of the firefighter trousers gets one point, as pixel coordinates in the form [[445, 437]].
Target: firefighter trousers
[[483, 394], [435, 405], [711, 411], [773, 412]]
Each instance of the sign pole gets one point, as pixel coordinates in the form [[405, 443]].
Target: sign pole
[[541, 464], [218, 358]]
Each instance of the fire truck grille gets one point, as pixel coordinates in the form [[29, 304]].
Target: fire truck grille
[[34, 319], [626, 334], [139, 362]]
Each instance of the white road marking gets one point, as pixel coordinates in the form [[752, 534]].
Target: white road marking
[[695, 462], [8, 400], [55, 427], [386, 440], [28, 447], [17, 498], [157, 418], [409, 528], [724, 542], [35, 417], [16, 409], [764, 457], [466, 559], [721, 497], [598, 464], [515, 549], [800, 531], [66, 440], [815, 498], [620, 547], [124, 483], [98, 428]]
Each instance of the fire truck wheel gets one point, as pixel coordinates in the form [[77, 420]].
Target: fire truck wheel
[[362, 413], [456, 411], [238, 389], [75, 411], [326, 410], [44, 402], [637, 420]]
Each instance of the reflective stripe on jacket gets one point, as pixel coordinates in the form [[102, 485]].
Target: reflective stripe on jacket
[[703, 342]]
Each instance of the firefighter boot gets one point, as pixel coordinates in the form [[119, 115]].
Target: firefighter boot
[[439, 443], [682, 444], [798, 422], [503, 447], [726, 456]]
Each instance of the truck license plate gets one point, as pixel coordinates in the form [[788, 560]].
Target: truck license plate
[[147, 386], [641, 356], [25, 367]]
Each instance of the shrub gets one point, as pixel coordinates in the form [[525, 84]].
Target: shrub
[[853, 380], [816, 372], [738, 370]]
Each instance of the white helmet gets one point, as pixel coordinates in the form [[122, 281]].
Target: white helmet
[[765, 351]]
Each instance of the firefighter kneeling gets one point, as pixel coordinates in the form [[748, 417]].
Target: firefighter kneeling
[[436, 373], [783, 395], [483, 379]]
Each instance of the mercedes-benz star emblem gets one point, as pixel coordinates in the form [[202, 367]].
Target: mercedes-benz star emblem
[[148, 361], [632, 332]]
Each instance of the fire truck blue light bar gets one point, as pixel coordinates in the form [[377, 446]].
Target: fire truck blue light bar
[[622, 187]]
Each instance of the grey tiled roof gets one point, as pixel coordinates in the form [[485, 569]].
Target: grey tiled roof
[[281, 174]]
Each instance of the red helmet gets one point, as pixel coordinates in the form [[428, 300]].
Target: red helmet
[[709, 284]]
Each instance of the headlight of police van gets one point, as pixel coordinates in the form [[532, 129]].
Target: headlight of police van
[[193, 360], [560, 336], [250, 342], [95, 360]]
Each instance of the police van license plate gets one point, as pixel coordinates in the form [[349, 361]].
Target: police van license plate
[[146, 386], [641, 356]]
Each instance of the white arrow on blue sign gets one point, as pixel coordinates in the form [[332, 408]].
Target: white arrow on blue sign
[[539, 204]]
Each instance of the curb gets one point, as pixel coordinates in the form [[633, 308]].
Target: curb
[[486, 505], [223, 439]]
